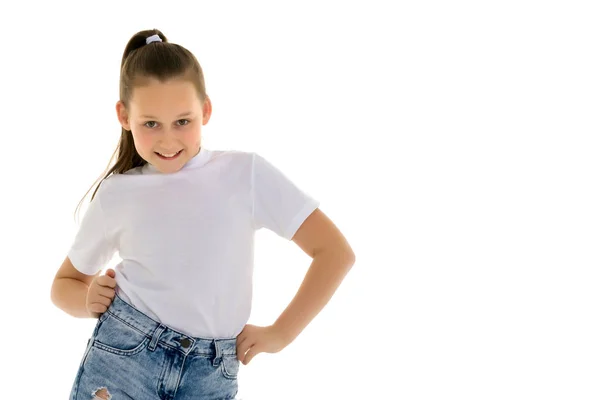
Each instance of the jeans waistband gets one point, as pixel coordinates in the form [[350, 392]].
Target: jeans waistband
[[166, 335]]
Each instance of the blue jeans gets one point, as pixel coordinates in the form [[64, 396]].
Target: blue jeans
[[132, 356]]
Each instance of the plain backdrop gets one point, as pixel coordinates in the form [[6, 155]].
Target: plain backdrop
[[455, 144]]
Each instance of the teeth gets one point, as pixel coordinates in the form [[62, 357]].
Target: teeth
[[167, 155]]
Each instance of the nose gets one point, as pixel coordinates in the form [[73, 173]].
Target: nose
[[169, 138]]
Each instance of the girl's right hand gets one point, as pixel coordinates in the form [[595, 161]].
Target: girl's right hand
[[101, 293]]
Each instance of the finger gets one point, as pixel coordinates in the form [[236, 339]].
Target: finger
[[241, 351], [241, 339], [241, 348], [106, 292], [105, 280], [110, 272], [250, 354], [97, 307], [105, 301]]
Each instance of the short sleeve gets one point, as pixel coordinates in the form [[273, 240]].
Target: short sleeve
[[278, 203], [91, 249]]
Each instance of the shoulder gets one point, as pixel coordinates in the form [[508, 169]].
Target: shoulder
[[113, 185], [107, 182], [237, 155], [105, 186], [134, 171], [236, 159]]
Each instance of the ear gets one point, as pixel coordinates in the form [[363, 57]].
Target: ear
[[206, 110], [123, 116]]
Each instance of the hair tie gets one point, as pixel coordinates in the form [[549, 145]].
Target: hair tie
[[153, 38]]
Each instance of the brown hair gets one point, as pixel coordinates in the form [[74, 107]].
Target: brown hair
[[159, 60]]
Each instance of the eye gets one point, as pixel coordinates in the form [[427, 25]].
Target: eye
[[186, 122], [149, 122]]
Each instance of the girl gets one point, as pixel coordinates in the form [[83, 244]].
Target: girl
[[172, 314]]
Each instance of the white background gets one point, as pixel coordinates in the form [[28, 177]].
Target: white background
[[455, 144]]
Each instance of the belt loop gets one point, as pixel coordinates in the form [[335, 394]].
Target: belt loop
[[155, 336], [217, 354]]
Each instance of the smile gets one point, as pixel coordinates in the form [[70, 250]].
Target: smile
[[171, 156]]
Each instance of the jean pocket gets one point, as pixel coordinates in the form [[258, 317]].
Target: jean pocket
[[230, 366], [116, 336]]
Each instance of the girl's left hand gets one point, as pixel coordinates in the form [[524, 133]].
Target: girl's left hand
[[258, 339]]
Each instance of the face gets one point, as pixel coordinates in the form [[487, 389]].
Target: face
[[165, 120]]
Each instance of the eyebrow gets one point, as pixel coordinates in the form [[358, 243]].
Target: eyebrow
[[185, 114]]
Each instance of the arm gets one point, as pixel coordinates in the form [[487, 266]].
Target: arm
[[69, 290], [332, 259]]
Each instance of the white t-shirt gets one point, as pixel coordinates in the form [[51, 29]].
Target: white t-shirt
[[186, 239]]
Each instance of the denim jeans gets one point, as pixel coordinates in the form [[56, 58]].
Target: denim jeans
[[132, 356]]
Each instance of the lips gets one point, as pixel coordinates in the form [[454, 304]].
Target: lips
[[168, 156]]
